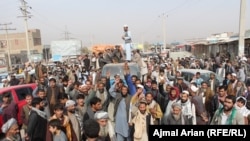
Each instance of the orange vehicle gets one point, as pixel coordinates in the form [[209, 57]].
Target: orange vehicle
[[18, 94], [101, 48]]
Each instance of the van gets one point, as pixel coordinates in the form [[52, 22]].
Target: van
[[188, 75], [18, 94], [118, 69]]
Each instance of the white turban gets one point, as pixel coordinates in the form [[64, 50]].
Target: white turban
[[101, 115], [8, 125]]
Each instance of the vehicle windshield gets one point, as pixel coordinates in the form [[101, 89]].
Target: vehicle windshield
[[2, 77], [119, 70]]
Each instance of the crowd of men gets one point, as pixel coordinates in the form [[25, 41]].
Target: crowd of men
[[75, 103]]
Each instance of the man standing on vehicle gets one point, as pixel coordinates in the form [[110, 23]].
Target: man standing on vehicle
[[127, 46]]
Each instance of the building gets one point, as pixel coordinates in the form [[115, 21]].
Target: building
[[18, 45], [223, 43]]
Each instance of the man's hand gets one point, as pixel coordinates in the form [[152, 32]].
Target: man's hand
[[152, 111], [117, 81], [69, 83], [108, 74], [3, 105]]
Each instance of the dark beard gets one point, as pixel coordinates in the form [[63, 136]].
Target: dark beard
[[41, 108], [101, 91], [143, 112], [183, 101], [229, 109], [124, 95], [72, 111], [232, 81]]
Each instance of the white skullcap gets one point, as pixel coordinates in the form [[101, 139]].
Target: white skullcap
[[140, 86], [4, 80], [234, 74], [170, 83], [194, 89], [244, 59], [185, 92], [125, 25], [69, 103], [101, 115], [8, 125]]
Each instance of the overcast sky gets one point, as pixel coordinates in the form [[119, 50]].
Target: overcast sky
[[101, 21]]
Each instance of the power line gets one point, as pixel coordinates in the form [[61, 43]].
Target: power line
[[66, 34], [7, 40]]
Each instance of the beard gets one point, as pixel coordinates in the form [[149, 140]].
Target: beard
[[101, 90], [15, 137], [143, 111], [72, 111], [124, 95], [41, 108], [154, 89], [232, 80], [177, 116], [226, 108], [184, 100], [204, 90], [103, 131]]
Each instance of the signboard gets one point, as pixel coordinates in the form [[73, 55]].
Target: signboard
[[66, 48], [56, 58], [36, 57]]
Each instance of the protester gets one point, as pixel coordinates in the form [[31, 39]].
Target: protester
[[228, 114], [37, 123], [56, 130], [11, 130], [107, 132]]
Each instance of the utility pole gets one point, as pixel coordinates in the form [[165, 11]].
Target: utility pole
[[241, 50], [26, 15], [7, 40], [164, 16]]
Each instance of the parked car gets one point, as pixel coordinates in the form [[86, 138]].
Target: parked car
[[118, 69], [188, 75], [18, 94]]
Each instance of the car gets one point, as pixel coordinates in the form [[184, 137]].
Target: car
[[18, 94], [188, 75], [118, 69]]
